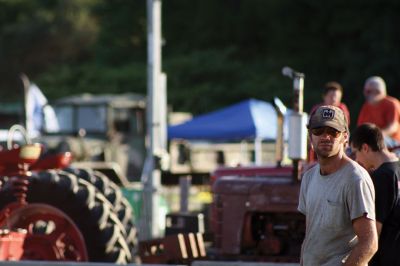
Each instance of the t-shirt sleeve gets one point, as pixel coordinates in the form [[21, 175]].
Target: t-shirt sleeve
[[391, 114], [385, 195], [302, 197], [360, 199]]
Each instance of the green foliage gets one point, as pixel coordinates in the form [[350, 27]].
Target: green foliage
[[36, 35], [207, 79], [66, 80], [123, 34]]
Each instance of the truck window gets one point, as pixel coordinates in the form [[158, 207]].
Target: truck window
[[65, 118], [72, 118], [92, 119]]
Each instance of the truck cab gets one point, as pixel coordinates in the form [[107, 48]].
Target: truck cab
[[102, 128]]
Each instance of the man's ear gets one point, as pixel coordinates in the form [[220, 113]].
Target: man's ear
[[346, 136], [310, 140], [365, 147]]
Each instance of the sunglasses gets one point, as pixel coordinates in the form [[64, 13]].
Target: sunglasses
[[328, 130]]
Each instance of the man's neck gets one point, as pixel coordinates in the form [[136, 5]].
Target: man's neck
[[383, 156], [332, 164]]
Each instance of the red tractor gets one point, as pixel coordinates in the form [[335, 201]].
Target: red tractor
[[97, 218], [254, 214], [52, 214]]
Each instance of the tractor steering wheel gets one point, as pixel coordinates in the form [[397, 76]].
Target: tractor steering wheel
[[11, 134]]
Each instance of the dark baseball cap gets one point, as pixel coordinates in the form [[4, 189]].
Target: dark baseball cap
[[328, 116]]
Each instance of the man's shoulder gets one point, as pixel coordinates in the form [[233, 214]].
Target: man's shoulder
[[308, 175], [351, 168], [357, 172], [387, 169], [311, 171], [389, 100]]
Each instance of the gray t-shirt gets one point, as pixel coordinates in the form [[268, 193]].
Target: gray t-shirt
[[330, 203]]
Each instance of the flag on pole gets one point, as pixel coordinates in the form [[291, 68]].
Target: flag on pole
[[40, 116]]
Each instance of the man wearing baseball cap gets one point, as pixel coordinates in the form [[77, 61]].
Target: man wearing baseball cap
[[337, 198]]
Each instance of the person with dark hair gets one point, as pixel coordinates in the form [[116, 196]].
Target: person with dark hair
[[368, 144], [332, 95], [337, 198], [381, 110]]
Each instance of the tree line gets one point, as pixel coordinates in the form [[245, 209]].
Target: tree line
[[215, 52]]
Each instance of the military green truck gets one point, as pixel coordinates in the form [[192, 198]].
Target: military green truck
[[103, 132]]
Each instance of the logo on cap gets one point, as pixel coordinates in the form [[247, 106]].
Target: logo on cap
[[328, 114]]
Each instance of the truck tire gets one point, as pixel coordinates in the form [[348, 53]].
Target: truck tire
[[120, 204], [90, 211]]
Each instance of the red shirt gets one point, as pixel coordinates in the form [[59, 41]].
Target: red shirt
[[381, 114]]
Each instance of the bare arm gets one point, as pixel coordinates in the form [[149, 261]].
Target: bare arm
[[367, 245], [378, 228], [391, 128]]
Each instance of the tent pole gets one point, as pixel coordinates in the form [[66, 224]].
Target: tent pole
[[258, 150], [243, 152]]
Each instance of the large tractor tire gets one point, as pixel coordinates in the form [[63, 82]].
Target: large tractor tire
[[120, 204], [91, 212]]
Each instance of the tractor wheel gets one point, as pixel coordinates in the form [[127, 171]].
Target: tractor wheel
[[50, 234], [100, 181], [119, 203], [92, 213]]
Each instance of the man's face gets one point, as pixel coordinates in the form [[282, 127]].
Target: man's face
[[362, 156], [333, 97], [372, 93], [327, 141]]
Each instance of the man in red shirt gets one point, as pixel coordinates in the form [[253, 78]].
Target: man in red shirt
[[332, 95], [381, 110]]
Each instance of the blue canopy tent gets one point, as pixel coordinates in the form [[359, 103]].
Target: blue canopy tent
[[250, 119]]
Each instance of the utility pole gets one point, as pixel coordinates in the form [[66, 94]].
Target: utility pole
[[297, 123], [156, 124]]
